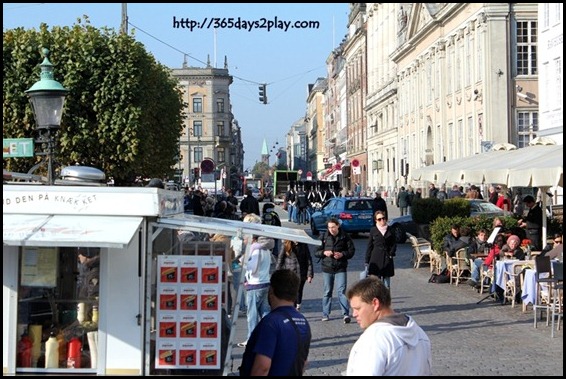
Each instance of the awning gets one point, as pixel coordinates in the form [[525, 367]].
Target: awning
[[204, 224], [537, 166], [69, 230]]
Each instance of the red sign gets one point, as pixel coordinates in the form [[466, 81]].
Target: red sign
[[355, 163], [207, 166]]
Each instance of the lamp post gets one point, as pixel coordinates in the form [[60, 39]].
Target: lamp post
[[47, 97]]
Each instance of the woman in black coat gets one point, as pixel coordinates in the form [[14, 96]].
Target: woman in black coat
[[381, 250], [296, 257]]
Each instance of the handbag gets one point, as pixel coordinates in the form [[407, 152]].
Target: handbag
[[364, 273]]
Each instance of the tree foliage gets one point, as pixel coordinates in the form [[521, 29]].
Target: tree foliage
[[261, 170], [124, 111]]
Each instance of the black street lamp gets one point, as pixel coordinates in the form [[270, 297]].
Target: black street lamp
[[47, 98]]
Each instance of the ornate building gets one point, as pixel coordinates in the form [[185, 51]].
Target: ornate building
[[210, 128]]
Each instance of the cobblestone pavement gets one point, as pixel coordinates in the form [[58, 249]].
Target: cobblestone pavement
[[467, 338]]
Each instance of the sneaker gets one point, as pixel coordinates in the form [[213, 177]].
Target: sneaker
[[347, 319], [242, 344], [325, 318]]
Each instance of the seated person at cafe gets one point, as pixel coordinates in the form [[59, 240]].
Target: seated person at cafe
[[453, 241], [512, 249], [487, 263], [555, 250], [479, 244]]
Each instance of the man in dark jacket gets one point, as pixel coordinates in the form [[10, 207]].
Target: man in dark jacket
[[532, 222], [336, 249], [379, 204], [249, 204]]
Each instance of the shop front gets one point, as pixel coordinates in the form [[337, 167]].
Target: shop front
[[115, 281]]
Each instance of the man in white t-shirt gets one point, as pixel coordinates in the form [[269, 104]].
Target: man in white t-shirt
[[392, 344]]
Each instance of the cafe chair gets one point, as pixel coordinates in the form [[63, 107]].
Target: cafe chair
[[558, 291], [544, 284], [460, 268], [435, 262], [421, 250], [487, 278], [513, 283]]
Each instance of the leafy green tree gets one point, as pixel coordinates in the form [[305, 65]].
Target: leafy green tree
[[123, 113], [261, 170]]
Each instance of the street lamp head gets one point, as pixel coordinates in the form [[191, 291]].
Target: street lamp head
[[47, 97]]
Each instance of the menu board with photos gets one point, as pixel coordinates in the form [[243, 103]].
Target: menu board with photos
[[189, 295]]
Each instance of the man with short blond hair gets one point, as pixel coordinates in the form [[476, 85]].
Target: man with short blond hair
[[392, 344]]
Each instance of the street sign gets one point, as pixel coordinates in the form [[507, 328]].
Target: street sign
[[207, 166], [17, 147]]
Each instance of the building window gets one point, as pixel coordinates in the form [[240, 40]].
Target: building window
[[470, 137], [197, 128], [221, 154], [197, 105], [220, 105], [527, 48], [220, 128], [449, 73], [527, 127], [198, 154]]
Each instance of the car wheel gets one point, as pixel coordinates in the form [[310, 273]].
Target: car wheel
[[313, 229], [399, 233]]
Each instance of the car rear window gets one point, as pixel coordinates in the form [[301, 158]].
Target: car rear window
[[358, 205]]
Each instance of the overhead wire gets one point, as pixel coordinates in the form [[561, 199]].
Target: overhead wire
[[300, 75]]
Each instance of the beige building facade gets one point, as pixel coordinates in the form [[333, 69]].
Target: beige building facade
[[210, 131], [443, 83]]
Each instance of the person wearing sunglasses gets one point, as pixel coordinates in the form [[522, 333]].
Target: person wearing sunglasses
[[554, 249], [381, 249]]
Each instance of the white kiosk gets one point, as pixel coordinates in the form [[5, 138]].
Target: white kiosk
[[118, 279]]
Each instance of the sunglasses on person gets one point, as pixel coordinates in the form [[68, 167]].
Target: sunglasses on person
[[380, 218]]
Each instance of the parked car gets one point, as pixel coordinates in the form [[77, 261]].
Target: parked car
[[405, 224], [354, 213]]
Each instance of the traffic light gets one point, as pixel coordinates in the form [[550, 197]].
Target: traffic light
[[262, 93]]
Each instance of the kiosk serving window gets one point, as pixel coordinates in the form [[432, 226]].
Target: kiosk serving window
[[58, 297]]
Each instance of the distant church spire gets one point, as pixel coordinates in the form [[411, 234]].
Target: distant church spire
[[265, 152]]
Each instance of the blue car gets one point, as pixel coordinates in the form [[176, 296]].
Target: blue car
[[354, 213]]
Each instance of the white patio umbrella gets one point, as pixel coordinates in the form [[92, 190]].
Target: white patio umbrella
[[539, 165]]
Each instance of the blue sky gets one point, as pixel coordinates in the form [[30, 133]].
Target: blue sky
[[288, 60]]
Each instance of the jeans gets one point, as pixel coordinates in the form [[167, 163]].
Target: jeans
[[258, 307], [301, 215], [476, 270], [386, 280], [339, 279], [235, 284], [291, 211]]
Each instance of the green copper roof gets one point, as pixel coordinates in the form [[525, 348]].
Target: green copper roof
[[264, 149]]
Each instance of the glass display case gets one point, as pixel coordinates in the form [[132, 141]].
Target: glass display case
[[58, 309]]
